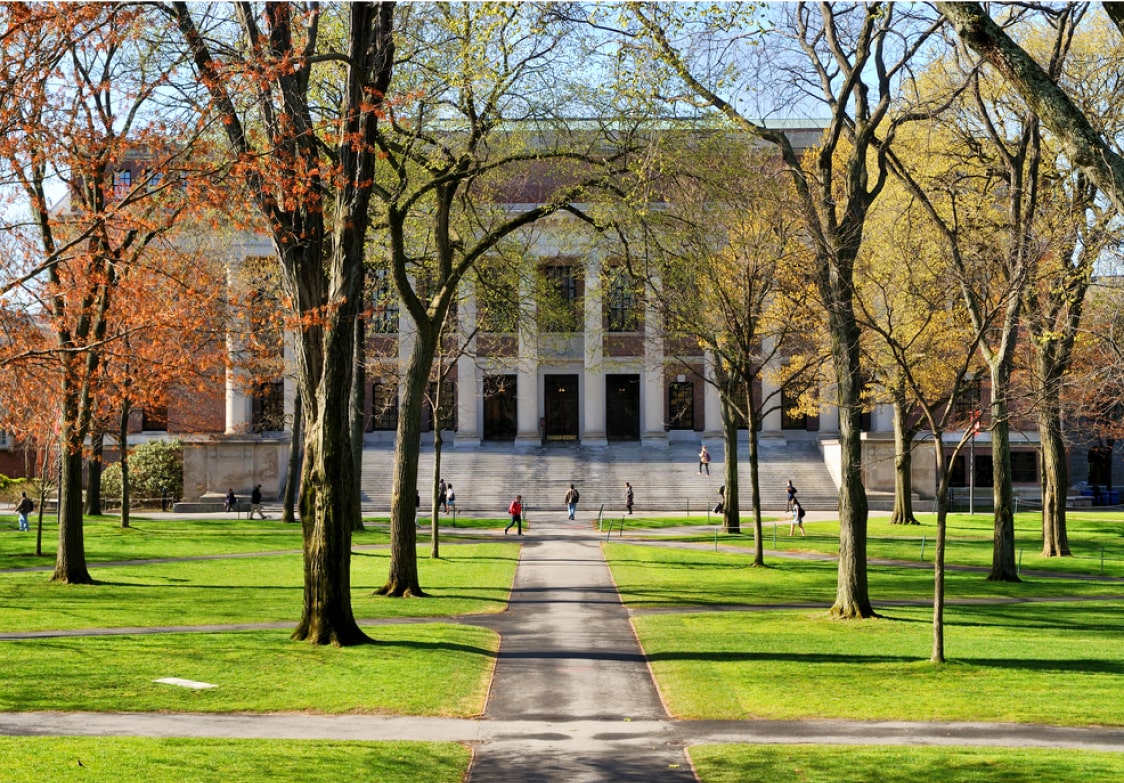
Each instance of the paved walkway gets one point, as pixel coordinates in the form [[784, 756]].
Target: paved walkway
[[572, 697]]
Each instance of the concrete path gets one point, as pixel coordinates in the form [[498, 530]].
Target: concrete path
[[572, 698]]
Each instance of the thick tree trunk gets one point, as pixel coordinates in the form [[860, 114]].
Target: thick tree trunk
[[293, 476], [93, 475], [755, 483], [1003, 567], [731, 517], [327, 496], [852, 597], [402, 579], [70, 561], [903, 468], [1055, 482]]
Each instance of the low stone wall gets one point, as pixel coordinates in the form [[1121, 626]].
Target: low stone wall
[[210, 468]]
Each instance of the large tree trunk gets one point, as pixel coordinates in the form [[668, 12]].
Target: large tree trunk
[[1003, 567], [402, 579], [1055, 482], [293, 475], [93, 474], [903, 468], [731, 518], [852, 597], [327, 493], [754, 481], [70, 561]]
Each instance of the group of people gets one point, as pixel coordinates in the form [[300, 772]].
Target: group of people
[[230, 503]]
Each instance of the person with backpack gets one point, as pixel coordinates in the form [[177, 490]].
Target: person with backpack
[[572, 497], [516, 511], [790, 493], [797, 518], [25, 507]]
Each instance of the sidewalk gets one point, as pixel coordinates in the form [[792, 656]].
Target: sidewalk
[[572, 699]]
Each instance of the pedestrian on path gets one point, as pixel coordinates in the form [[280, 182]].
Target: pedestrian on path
[[443, 495], [230, 501], [572, 497], [797, 518], [450, 499], [720, 506], [628, 497], [516, 511], [704, 460], [790, 492], [255, 502], [25, 507]]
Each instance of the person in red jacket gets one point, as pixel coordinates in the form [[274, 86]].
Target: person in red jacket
[[516, 511]]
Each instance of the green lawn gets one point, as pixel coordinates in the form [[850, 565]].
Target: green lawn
[[468, 578], [115, 759], [844, 764], [423, 669]]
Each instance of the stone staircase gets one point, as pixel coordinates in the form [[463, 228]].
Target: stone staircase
[[487, 477]]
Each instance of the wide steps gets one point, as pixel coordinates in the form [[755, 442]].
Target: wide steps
[[487, 477]]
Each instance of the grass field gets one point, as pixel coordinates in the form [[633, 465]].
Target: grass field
[[116, 759], [811, 764], [724, 640]]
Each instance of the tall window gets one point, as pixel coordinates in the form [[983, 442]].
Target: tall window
[[792, 418], [681, 405], [561, 307], [384, 320], [622, 302], [269, 407], [122, 183], [497, 304], [448, 402], [155, 419], [384, 407], [968, 400]]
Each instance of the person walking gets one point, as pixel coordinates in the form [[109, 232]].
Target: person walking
[[704, 460], [628, 497], [797, 518], [451, 500], [443, 495], [23, 508], [230, 501], [255, 502], [572, 497], [790, 492], [516, 511]]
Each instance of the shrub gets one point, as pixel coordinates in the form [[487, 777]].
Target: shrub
[[154, 467]]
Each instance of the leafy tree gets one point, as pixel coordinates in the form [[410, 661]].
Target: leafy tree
[[78, 96], [484, 135], [856, 56], [1084, 144], [300, 103]]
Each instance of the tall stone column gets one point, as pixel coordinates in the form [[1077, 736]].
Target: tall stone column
[[593, 366], [653, 432], [712, 415], [469, 384], [773, 425], [528, 394]]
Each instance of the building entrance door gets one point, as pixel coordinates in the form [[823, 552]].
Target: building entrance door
[[561, 406], [622, 407], [500, 407]]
